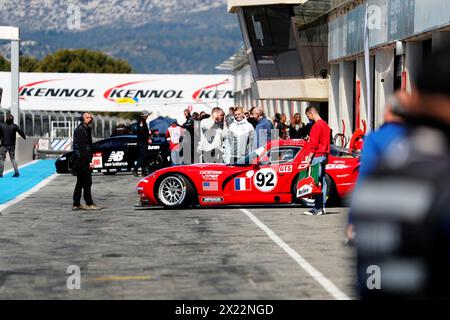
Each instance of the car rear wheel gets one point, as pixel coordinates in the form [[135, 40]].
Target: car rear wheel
[[70, 167], [155, 162], [174, 191]]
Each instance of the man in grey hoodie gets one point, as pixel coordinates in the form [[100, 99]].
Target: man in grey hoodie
[[239, 138]]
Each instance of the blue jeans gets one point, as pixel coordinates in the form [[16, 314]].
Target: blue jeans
[[175, 157], [320, 201]]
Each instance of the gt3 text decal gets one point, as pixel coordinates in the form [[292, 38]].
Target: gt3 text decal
[[285, 169]]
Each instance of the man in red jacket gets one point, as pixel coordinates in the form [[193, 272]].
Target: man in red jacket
[[319, 149]]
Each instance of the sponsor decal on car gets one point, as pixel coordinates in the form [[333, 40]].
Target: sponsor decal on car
[[154, 147], [212, 199], [335, 166], [116, 156], [210, 175], [242, 184], [210, 186], [285, 169], [115, 159], [265, 180], [97, 160]]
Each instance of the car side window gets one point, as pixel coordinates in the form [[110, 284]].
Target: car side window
[[110, 144], [280, 155]]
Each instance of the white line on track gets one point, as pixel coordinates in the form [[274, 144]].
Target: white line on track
[[28, 193], [329, 286]]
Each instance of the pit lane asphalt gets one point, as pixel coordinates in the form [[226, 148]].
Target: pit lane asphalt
[[129, 253]]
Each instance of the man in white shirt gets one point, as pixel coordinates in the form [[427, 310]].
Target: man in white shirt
[[239, 139]]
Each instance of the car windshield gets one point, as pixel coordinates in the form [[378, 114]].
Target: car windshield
[[249, 158]]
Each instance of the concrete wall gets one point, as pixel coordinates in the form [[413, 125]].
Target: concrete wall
[[346, 93], [384, 82], [24, 149], [333, 104]]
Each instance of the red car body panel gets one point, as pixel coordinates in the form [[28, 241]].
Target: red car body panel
[[255, 183]]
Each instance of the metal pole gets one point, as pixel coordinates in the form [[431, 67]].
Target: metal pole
[[367, 69], [15, 80]]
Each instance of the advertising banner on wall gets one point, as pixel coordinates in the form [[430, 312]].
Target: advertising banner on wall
[[163, 94]]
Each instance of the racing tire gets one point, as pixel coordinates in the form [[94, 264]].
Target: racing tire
[[70, 167], [174, 191], [155, 163], [331, 195]]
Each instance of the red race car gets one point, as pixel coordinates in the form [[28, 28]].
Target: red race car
[[269, 175]]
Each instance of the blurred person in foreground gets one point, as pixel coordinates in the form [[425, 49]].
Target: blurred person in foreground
[[401, 209], [376, 144]]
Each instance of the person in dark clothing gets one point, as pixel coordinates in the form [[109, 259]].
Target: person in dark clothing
[[297, 130], [143, 135], [8, 131], [276, 121], [188, 144], [282, 127], [250, 118], [400, 209], [82, 158]]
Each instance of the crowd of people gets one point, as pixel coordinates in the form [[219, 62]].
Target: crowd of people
[[224, 138]]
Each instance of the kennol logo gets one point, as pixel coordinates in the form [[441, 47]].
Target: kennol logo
[[126, 90], [212, 92], [32, 90], [120, 91]]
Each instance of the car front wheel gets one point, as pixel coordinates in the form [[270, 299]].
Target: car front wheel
[[174, 191]]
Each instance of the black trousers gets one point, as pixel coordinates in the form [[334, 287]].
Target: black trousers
[[142, 159], [84, 182]]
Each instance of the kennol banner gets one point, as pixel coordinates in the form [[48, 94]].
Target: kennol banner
[[118, 92]]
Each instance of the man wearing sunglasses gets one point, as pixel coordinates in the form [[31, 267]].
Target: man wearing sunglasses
[[82, 149]]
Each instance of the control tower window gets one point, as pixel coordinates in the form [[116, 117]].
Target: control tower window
[[269, 36]]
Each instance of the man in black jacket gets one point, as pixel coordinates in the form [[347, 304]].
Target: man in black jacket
[[8, 131], [82, 149], [143, 136], [188, 141]]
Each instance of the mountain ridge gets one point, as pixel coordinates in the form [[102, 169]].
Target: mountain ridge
[[175, 36]]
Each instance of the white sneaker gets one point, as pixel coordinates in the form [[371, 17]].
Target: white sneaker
[[314, 212]]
